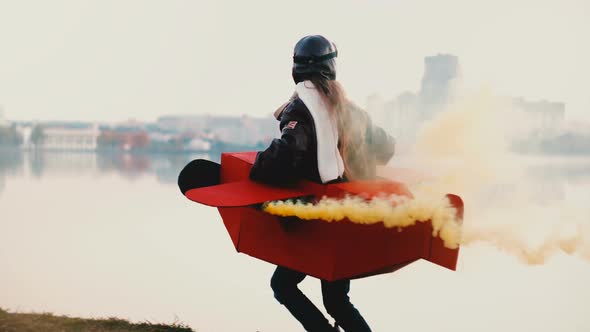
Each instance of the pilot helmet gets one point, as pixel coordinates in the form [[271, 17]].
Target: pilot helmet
[[314, 57]]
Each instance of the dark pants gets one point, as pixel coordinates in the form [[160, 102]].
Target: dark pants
[[335, 294]]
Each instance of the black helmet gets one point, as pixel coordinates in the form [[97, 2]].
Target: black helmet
[[313, 57]]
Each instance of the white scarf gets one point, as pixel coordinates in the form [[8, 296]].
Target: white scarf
[[330, 164]]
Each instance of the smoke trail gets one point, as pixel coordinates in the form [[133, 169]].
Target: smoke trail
[[469, 142], [400, 212], [392, 211], [512, 244]]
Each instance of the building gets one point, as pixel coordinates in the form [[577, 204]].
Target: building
[[10, 134], [441, 76], [544, 118], [238, 130], [197, 144], [25, 131], [72, 139], [403, 116], [124, 137]]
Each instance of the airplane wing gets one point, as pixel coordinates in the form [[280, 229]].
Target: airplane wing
[[242, 193]]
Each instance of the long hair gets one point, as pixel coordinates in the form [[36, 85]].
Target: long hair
[[348, 131]]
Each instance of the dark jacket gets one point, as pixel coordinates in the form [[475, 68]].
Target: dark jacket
[[294, 155]]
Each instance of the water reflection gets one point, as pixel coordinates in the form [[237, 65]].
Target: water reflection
[[38, 164], [50, 163], [11, 164], [545, 181]]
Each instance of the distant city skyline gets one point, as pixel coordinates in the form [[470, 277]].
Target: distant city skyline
[[113, 60], [540, 127]]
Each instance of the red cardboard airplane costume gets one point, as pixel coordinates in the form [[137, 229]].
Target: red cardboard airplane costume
[[325, 142], [329, 251]]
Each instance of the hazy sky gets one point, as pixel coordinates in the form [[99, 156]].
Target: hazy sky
[[114, 60]]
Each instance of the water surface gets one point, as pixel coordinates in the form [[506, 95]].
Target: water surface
[[110, 235]]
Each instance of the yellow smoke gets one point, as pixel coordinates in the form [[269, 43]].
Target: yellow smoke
[[468, 143], [393, 211], [399, 212], [513, 244]]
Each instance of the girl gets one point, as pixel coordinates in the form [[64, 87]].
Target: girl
[[326, 139]]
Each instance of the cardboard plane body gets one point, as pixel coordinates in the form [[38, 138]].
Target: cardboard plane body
[[326, 250]]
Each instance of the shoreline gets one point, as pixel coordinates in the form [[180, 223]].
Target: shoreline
[[48, 322]]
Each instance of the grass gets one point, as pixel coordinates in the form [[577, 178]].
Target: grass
[[45, 322]]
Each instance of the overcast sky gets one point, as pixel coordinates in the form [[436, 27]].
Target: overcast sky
[[118, 59]]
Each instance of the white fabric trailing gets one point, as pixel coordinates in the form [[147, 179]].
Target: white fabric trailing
[[330, 164]]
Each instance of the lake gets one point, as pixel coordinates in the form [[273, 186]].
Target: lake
[[92, 235]]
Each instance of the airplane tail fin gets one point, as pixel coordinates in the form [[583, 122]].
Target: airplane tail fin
[[438, 253]]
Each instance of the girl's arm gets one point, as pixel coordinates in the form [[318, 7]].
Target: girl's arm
[[381, 143], [281, 163]]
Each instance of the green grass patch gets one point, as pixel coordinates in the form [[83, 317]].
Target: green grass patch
[[45, 322]]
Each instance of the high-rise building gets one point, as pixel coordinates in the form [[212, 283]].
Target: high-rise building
[[441, 75], [403, 116]]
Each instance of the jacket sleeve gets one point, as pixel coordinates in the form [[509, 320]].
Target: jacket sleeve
[[381, 144], [281, 163]]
